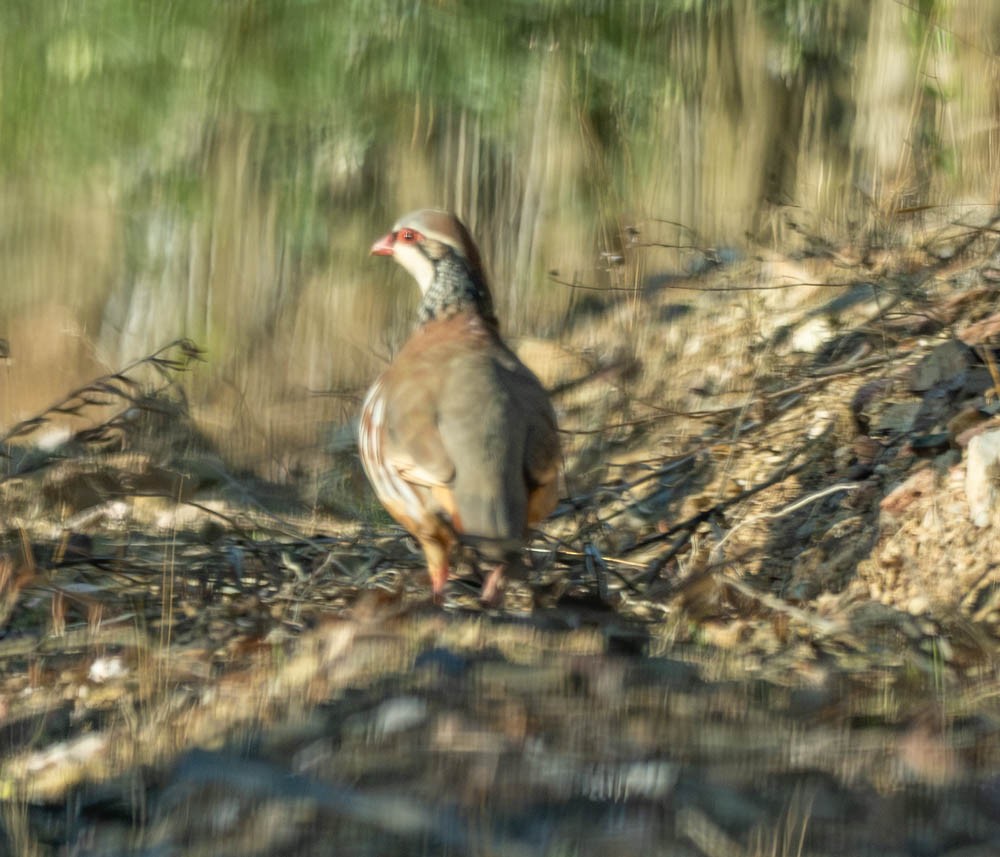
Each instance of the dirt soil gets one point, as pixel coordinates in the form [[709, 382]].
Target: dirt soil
[[765, 619]]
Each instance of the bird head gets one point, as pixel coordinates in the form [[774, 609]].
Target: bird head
[[439, 253], [419, 240]]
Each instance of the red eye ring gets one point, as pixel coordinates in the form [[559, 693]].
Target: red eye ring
[[407, 236]]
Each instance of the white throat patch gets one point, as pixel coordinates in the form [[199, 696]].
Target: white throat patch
[[420, 267]]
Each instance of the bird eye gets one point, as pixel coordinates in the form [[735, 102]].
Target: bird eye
[[408, 236]]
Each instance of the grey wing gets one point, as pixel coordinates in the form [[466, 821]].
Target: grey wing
[[497, 426]]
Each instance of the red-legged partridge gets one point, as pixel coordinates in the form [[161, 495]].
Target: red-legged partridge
[[458, 436]]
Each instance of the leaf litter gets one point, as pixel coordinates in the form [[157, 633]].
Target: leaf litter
[[764, 619]]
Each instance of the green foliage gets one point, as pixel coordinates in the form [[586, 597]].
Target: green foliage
[[93, 81]]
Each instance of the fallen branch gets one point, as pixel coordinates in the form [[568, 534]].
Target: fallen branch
[[116, 387]]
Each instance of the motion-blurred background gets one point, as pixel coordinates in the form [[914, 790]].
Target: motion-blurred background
[[218, 170]]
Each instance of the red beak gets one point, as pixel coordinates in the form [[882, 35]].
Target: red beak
[[383, 247]]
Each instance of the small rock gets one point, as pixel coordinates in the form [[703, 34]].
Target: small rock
[[981, 470], [398, 715], [442, 661], [106, 669], [822, 422], [52, 437], [864, 399], [865, 449], [946, 361], [903, 496], [962, 438], [811, 336], [928, 444], [965, 419], [926, 755], [897, 418], [947, 460], [976, 381]]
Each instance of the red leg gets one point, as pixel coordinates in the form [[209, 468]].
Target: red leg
[[493, 586], [437, 567]]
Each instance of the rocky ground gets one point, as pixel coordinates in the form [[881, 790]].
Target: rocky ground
[[765, 620]]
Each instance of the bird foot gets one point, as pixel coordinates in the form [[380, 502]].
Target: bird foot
[[492, 591], [439, 579]]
